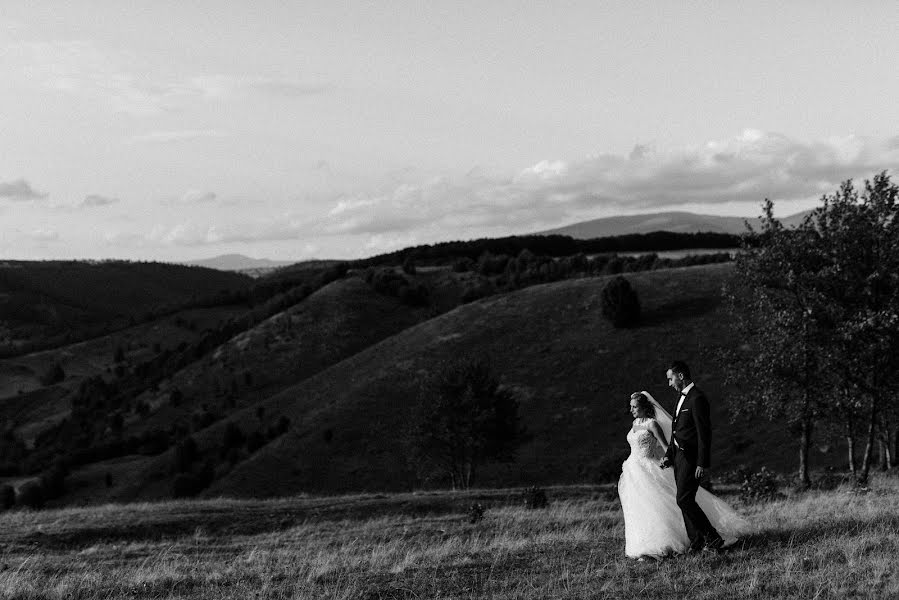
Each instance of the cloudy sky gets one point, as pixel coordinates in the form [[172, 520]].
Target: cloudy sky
[[178, 130]]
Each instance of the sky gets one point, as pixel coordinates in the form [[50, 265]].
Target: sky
[[175, 131]]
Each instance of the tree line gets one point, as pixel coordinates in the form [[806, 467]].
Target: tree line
[[817, 307], [554, 245]]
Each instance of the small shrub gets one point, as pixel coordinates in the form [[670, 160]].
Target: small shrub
[[462, 265], [759, 486], [535, 497], [476, 512], [54, 375], [620, 303]]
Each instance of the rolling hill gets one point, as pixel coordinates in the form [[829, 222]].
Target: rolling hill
[[50, 303], [570, 369], [679, 222]]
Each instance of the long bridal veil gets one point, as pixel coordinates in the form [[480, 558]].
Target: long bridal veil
[[663, 417]]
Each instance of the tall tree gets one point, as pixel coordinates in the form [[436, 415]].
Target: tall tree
[[860, 231], [462, 418], [775, 308]]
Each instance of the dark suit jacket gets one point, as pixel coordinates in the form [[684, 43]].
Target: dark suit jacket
[[692, 428]]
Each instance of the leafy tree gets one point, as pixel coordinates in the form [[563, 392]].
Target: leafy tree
[[462, 418], [774, 301], [818, 308], [860, 230], [620, 303]]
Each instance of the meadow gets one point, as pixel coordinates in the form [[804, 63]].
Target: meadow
[[818, 544]]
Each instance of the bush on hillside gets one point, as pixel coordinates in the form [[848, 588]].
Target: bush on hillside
[[759, 486], [463, 265], [54, 375], [620, 304], [535, 497], [409, 265]]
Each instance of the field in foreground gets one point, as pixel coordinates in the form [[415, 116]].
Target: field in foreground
[[813, 545]]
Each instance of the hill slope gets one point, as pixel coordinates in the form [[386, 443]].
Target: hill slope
[[679, 222], [571, 370]]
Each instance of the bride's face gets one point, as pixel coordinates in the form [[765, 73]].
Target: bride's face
[[636, 411]]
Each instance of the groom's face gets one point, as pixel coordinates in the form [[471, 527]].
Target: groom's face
[[675, 380]]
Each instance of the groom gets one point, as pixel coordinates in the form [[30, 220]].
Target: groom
[[691, 437]]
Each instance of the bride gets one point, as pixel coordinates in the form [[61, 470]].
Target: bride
[[653, 523]]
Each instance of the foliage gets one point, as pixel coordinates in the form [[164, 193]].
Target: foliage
[[759, 486], [535, 497], [620, 303], [551, 245], [818, 309], [55, 374], [462, 418], [476, 512]]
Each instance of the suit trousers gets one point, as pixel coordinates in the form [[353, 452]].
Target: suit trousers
[[699, 530]]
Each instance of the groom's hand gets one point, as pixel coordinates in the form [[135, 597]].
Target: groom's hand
[[700, 472], [664, 463]]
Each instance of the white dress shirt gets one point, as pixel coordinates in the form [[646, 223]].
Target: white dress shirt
[[683, 396]]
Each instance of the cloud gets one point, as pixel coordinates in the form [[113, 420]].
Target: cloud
[[198, 197], [156, 137], [412, 209], [95, 200], [19, 190], [44, 235], [124, 84], [744, 169], [190, 233]]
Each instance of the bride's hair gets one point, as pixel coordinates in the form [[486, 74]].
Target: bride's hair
[[645, 405]]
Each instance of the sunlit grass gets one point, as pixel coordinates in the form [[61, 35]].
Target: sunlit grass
[[814, 545]]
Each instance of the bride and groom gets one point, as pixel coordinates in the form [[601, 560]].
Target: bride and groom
[[665, 510]]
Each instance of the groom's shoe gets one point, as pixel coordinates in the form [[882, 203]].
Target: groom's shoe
[[694, 548], [716, 546]]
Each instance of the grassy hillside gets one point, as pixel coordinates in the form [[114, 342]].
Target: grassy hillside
[[817, 545], [571, 370], [335, 322], [53, 301]]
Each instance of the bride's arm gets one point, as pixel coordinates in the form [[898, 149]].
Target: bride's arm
[[656, 430]]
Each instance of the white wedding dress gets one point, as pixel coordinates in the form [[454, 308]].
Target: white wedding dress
[[653, 523]]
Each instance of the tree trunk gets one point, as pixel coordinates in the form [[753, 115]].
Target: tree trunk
[[850, 443], [804, 443], [869, 443]]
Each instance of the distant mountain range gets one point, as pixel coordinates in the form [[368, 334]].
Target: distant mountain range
[[680, 222], [239, 262]]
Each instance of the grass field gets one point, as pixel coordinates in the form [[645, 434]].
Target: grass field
[[814, 545]]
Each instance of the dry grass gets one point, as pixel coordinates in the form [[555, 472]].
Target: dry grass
[[815, 545]]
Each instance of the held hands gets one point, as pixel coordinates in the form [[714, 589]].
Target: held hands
[[664, 463], [700, 472]]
